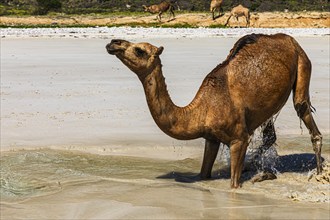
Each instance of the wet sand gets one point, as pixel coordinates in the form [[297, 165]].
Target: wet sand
[[68, 98]]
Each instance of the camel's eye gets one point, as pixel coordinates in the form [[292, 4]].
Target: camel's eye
[[139, 52]]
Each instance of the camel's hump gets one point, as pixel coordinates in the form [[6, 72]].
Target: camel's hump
[[249, 39], [241, 43]]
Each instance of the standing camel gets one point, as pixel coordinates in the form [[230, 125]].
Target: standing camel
[[216, 5], [240, 11], [235, 98], [162, 7]]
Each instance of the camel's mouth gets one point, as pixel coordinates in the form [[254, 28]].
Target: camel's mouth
[[112, 51], [114, 46]]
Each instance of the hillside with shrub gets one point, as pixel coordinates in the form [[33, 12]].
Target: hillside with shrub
[[42, 7]]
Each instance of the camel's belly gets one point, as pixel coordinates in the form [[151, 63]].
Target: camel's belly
[[265, 101]]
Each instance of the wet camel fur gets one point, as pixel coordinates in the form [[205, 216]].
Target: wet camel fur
[[235, 98]]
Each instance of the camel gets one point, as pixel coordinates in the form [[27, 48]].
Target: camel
[[234, 99], [162, 7], [240, 11], [216, 5]]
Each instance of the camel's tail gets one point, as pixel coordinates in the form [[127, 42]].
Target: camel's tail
[[301, 97]]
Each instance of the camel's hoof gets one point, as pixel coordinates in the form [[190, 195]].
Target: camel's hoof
[[263, 176], [233, 186]]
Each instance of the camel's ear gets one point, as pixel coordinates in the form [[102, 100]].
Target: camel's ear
[[159, 51]]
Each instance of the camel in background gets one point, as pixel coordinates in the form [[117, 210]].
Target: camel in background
[[216, 5], [162, 7], [240, 11], [235, 98]]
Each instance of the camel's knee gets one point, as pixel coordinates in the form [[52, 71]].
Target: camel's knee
[[301, 108]]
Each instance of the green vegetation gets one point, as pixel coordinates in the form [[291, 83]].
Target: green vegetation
[[131, 24], [40, 7], [44, 6], [217, 26], [46, 26]]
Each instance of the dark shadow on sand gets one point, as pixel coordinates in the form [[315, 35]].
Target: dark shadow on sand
[[297, 163]]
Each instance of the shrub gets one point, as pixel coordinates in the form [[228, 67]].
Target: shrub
[[44, 6]]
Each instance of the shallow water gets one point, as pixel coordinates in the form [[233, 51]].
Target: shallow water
[[26, 174], [37, 172], [43, 184]]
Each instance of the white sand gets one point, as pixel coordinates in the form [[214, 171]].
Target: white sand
[[138, 33], [71, 93]]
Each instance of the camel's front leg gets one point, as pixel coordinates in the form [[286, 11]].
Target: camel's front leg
[[159, 17], [247, 21], [221, 11], [228, 20], [237, 155], [213, 17], [210, 153]]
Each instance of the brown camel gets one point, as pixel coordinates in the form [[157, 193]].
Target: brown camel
[[216, 5], [240, 11], [162, 7], [235, 98]]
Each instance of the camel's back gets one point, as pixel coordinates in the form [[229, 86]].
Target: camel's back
[[240, 9], [215, 4], [163, 6], [261, 71], [263, 59]]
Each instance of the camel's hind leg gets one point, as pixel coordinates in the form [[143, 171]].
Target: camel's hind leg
[[220, 12], [303, 106], [268, 139], [268, 136], [304, 112]]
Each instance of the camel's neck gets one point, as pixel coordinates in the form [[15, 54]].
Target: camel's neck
[[177, 122]]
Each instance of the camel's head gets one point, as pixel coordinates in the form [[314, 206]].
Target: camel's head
[[146, 9], [141, 58]]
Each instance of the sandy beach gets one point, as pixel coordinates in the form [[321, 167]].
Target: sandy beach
[[78, 141]]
